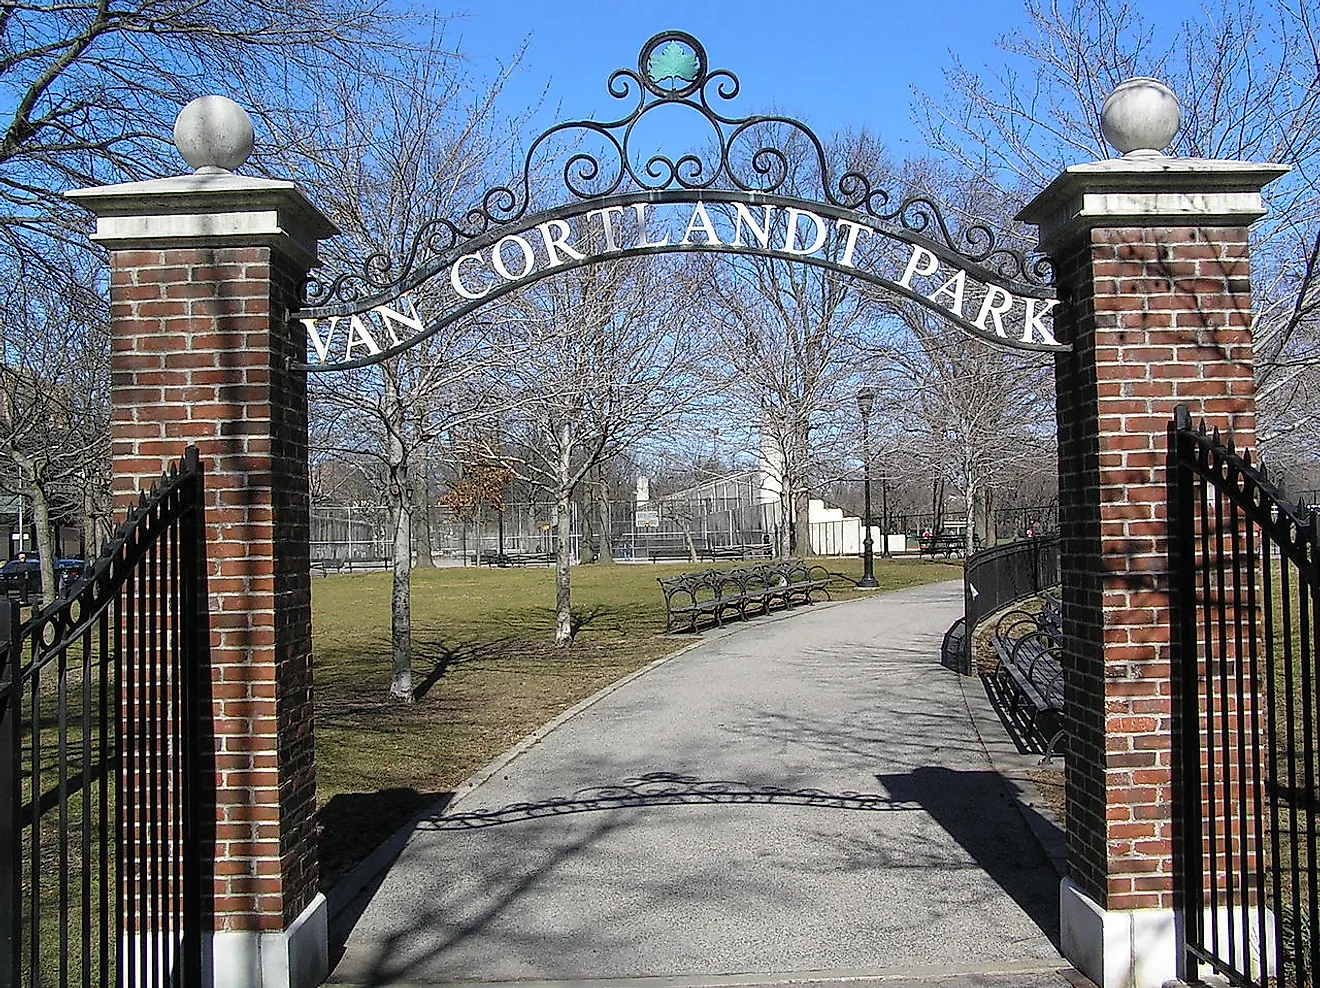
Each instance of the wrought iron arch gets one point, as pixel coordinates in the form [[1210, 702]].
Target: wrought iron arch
[[672, 70]]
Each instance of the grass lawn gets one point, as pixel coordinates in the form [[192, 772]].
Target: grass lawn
[[486, 675]]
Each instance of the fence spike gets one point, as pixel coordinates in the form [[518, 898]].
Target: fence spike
[[1202, 429]]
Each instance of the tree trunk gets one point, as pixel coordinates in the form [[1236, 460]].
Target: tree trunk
[[563, 507], [45, 543], [93, 530], [802, 522], [400, 503], [563, 577], [691, 546], [401, 687], [421, 478], [969, 516], [33, 470], [784, 548], [604, 542], [589, 535]]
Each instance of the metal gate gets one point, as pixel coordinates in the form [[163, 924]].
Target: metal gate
[[106, 797], [1245, 643]]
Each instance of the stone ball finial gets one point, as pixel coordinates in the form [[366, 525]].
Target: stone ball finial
[[1140, 117], [213, 132]]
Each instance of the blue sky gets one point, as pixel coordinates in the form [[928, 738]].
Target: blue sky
[[833, 63]]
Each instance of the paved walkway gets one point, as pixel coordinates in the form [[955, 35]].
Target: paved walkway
[[806, 799]]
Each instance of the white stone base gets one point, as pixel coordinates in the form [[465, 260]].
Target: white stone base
[[298, 957], [1138, 948], [1230, 931], [1130, 948]]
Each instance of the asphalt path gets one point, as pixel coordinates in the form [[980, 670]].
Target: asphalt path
[[807, 798]]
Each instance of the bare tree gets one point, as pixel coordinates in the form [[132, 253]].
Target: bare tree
[[93, 88], [54, 411], [969, 412], [788, 342], [607, 352], [1248, 74], [384, 157]]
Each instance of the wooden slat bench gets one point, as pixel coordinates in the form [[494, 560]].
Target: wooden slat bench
[[711, 595], [670, 553], [507, 559], [714, 553], [326, 565], [1029, 675], [945, 544]]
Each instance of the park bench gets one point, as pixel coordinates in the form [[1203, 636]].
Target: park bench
[[324, 566], [945, 544], [507, 559], [365, 565], [672, 553], [713, 553], [532, 558], [1029, 675], [692, 598]]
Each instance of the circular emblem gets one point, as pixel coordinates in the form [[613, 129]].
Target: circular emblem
[[672, 64]]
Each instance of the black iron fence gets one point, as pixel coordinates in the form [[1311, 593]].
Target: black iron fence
[[105, 781], [994, 578], [1246, 670]]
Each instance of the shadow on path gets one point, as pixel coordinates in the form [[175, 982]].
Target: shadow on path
[[959, 803], [970, 806]]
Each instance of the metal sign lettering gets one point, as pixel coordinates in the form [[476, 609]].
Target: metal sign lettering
[[747, 196]]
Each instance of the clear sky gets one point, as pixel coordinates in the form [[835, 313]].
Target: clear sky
[[833, 63]]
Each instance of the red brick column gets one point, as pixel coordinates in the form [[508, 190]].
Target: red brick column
[[204, 272], [1151, 257]]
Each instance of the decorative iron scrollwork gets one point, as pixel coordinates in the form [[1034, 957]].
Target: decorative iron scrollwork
[[673, 71], [55, 626], [1294, 528]]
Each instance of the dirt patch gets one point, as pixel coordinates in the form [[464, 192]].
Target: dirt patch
[[1049, 782]]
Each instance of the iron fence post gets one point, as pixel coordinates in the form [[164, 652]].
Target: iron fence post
[[1186, 763], [196, 736], [10, 799]]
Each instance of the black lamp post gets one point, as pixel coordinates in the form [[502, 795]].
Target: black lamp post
[[865, 402]]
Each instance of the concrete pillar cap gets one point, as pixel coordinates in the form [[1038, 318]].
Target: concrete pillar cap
[[1149, 190]]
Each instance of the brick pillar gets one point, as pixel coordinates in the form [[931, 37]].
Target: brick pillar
[[204, 271], [1151, 257]]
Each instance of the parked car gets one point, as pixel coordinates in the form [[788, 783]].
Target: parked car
[[20, 577]]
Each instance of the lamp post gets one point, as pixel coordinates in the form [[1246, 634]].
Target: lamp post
[[865, 402]]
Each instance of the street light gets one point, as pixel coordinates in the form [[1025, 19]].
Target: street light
[[865, 402]]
